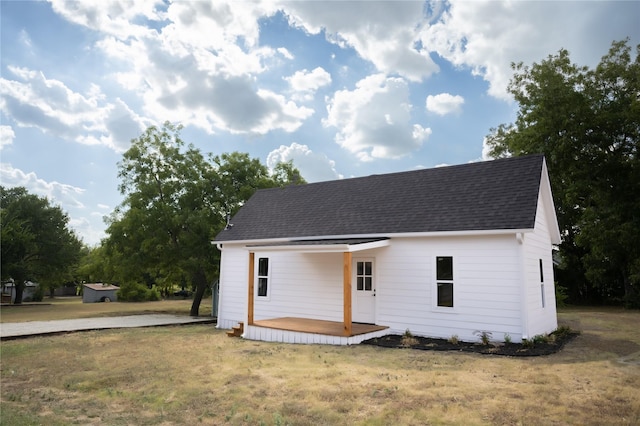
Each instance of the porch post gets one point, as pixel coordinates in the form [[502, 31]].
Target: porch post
[[250, 295], [346, 256]]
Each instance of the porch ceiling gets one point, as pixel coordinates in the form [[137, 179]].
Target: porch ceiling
[[323, 246]]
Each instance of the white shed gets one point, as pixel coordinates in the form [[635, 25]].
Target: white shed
[[99, 293], [450, 251]]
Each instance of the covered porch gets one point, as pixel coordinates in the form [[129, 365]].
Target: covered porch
[[305, 330], [308, 330]]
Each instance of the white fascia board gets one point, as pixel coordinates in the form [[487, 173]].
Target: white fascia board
[[550, 209], [398, 235], [322, 248]]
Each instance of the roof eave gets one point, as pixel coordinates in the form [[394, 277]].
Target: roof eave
[[433, 234]]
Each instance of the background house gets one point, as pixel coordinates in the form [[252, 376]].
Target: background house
[[9, 291], [451, 251], [99, 293]]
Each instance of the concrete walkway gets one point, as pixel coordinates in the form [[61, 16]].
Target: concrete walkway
[[15, 330]]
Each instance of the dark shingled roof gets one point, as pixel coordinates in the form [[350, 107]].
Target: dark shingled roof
[[490, 195]]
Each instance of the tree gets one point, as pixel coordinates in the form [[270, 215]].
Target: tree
[[37, 243], [175, 203], [587, 123]]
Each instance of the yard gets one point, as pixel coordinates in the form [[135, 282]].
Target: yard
[[72, 307], [197, 375]]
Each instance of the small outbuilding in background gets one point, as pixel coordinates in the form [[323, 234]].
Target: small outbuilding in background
[[99, 292]]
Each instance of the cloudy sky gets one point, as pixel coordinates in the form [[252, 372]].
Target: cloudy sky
[[341, 88]]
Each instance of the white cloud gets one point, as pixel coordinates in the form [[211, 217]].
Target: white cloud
[[208, 82], [487, 36], [65, 195], [305, 83], [373, 120], [87, 230], [113, 17], [314, 167], [49, 105], [384, 33], [444, 103], [7, 135]]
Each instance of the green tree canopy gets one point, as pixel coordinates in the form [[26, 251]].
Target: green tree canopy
[[176, 200], [587, 123], [37, 243]]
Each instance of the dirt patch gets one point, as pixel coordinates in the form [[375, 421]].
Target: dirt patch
[[554, 344]]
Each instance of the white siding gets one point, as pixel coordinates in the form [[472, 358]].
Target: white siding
[[537, 245], [232, 302], [486, 281], [284, 336], [302, 285]]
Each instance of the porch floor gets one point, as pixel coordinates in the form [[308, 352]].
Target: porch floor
[[306, 325]]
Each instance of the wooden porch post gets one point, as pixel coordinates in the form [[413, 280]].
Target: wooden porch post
[[251, 284], [347, 292]]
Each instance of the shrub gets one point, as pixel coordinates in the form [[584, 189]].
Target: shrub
[[136, 292], [539, 339], [454, 339], [527, 343], [564, 331], [408, 340], [38, 294], [507, 338], [485, 336]]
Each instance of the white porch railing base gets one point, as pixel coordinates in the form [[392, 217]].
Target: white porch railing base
[[264, 334]]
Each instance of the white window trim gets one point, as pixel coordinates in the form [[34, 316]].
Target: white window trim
[[434, 274], [258, 276]]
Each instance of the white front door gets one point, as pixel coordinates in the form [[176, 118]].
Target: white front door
[[364, 291]]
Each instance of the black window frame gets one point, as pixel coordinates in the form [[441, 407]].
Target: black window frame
[[444, 282], [262, 288]]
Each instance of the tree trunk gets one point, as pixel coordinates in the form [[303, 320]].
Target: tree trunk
[[631, 295], [19, 289], [200, 280]]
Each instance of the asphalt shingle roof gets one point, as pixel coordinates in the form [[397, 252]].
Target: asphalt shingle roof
[[491, 195]]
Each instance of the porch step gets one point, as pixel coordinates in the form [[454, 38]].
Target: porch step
[[236, 331]]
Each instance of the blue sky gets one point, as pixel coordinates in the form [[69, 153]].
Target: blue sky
[[341, 88]]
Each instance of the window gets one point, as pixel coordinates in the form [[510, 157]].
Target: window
[[263, 276], [364, 276], [542, 283], [444, 280]]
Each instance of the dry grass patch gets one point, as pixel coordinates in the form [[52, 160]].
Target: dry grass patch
[[72, 307], [196, 375]]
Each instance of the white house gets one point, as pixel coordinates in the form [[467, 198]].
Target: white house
[[450, 251]]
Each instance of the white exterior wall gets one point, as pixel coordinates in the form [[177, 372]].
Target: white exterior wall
[[536, 246], [487, 286], [486, 277], [302, 285], [232, 300]]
